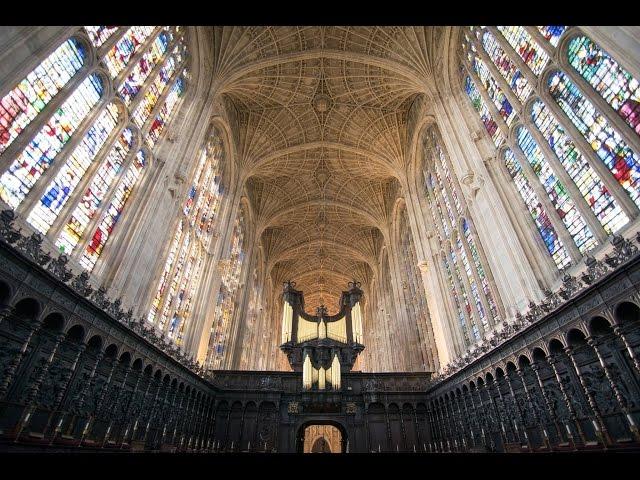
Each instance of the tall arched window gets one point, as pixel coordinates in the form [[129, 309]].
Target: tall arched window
[[180, 278], [472, 297], [227, 295], [413, 288], [73, 158], [576, 173]]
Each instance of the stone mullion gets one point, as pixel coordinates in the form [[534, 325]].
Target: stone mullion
[[613, 118], [455, 330], [526, 230], [552, 213], [500, 122], [78, 192], [581, 204], [110, 42], [419, 251], [16, 362], [97, 218], [572, 412], [166, 298], [497, 76], [598, 423], [475, 319], [543, 42], [30, 131], [133, 61], [536, 417], [193, 244], [513, 55], [458, 289], [622, 403], [616, 190], [476, 277], [33, 389], [161, 99], [520, 415], [60, 160]]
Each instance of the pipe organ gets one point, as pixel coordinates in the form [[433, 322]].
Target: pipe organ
[[322, 346]]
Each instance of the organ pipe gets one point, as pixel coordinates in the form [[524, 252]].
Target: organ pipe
[[335, 372], [356, 319], [322, 377], [287, 319], [307, 377]]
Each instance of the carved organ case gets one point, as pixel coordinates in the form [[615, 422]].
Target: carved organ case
[[322, 346]]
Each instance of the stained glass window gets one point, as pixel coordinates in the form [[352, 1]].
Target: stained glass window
[[616, 85], [495, 93], [586, 179], [171, 306], [100, 34], [95, 193], [132, 84], [104, 230], [154, 91], [507, 67], [21, 105], [25, 170], [557, 192], [462, 262], [619, 158], [131, 42], [533, 54], [487, 120], [536, 209], [415, 297], [226, 302], [159, 122], [552, 33], [63, 185]]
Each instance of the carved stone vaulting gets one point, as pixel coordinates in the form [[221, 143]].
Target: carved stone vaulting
[[319, 238]]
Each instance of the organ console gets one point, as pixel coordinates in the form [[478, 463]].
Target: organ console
[[322, 346]]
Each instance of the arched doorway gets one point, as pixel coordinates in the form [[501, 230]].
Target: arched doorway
[[321, 437]]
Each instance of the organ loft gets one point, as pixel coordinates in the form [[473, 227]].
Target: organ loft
[[238, 240]]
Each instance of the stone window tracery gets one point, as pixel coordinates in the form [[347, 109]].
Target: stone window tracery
[[574, 170], [171, 307], [471, 295], [73, 157], [227, 300]]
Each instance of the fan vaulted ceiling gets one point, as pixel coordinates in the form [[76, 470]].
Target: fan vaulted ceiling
[[322, 140]]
